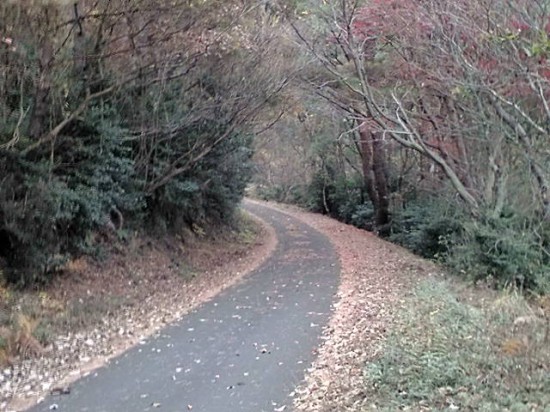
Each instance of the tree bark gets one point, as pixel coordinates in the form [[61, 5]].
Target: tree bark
[[373, 158], [380, 176], [41, 100], [365, 145]]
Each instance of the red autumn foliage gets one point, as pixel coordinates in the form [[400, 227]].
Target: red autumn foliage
[[432, 39]]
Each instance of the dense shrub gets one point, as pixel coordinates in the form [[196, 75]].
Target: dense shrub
[[343, 198], [48, 212], [28, 216], [509, 249], [427, 228], [348, 202], [294, 194], [48, 208], [208, 192]]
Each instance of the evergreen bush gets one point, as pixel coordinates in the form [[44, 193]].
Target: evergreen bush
[[207, 193], [507, 249], [50, 204], [428, 228]]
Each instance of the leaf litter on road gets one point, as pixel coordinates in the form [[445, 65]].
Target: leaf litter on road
[[374, 276]]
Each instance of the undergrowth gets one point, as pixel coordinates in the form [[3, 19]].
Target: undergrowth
[[509, 250], [453, 351]]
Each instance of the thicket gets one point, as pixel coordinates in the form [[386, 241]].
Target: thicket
[[49, 208], [116, 116]]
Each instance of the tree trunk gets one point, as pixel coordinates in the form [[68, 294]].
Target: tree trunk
[[380, 176], [375, 175], [38, 124]]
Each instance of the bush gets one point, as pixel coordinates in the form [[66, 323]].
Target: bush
[[28, 240], [275, 193], [507, 249], [427, 228], [47, 211], [209, 192], [344, 197], [348, 202]]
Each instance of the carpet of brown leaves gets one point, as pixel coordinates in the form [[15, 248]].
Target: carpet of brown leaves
[[375, 278]]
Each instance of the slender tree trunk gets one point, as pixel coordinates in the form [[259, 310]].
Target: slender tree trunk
[[380, 176], [365, 145], [375, 174], [38, 124]]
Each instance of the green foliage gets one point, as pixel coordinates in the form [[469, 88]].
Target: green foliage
[[272, 192], [28, 209], [446, 353], [317, 193], [98, 168], [427, 228], [294, 194], [340, 197], [50, 202], [508, 249], [49, 210], [348, 202], [210, 191]]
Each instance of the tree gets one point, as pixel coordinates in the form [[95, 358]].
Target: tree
[[456, 94]]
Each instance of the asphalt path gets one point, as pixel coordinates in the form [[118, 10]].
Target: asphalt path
[[243, 351]]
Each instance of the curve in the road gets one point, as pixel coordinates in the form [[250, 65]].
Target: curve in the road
[[243, 351]]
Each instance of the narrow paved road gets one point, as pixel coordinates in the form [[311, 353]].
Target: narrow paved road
[[243, 351]]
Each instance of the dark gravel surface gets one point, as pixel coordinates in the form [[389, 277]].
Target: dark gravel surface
[[245, 350]]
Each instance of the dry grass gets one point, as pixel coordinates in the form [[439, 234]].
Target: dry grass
[[19, 340]]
